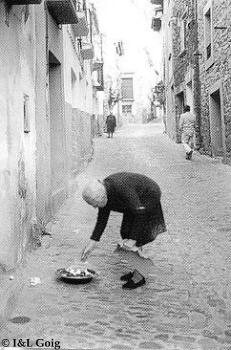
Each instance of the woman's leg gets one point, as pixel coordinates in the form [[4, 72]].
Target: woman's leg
[[185, 142], [191, 145]]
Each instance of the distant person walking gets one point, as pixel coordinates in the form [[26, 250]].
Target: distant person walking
[[187, 127], [111, 124]]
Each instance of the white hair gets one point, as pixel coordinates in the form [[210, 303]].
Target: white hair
[[95, 194]]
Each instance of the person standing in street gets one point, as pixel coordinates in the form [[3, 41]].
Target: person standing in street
[[187, 128], [111, 124], [138, 198]]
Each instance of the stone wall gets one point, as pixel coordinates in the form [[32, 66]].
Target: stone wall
[[178, 60], [191, 66], [218, 71], [183, 58], [182, 62], [78, 93], [81, 140]]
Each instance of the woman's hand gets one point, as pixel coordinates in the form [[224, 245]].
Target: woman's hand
[[88, 249]]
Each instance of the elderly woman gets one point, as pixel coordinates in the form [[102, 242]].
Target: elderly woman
[[138, 198], [111, 124]]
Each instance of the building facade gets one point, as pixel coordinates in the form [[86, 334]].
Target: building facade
[[214, 29], [197, 71], [127, 97], [47, 98], [134, 105]]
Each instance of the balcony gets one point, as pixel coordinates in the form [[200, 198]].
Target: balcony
[[157, 2], [81, 28], [98, 80], [87, 51], [158, 11], [156, 24], [24, 2], [63, 11]]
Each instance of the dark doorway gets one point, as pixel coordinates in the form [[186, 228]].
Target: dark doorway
[[180, 103], [216, 124]]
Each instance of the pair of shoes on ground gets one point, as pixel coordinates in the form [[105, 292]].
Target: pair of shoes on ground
[[131, 284], [189, 155]]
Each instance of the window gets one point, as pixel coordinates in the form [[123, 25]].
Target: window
[[127, 109], [183, 35], [208, 42], [183, 27], [26, 113], [208, 34], [127, 88]]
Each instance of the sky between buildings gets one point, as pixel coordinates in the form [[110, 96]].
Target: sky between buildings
[[130, 21]]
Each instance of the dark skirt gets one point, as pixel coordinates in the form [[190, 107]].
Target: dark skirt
[[143, 228], [110, 127]]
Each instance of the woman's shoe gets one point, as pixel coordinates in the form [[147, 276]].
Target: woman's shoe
[[127, 277], [190, 155], [132, 285]]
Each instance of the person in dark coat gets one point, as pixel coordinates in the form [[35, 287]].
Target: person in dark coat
[[111, 124], [138, 198]]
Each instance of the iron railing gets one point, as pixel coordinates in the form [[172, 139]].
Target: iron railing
[[81, 6], [79, 44]]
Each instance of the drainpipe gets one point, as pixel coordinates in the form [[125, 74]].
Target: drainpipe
[[196, 75], [47, 39], [90, 23]]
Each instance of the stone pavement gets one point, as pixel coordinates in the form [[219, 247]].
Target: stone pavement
[[186, 301]]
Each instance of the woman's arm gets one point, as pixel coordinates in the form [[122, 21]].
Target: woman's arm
[[88, 249], [102, 219]]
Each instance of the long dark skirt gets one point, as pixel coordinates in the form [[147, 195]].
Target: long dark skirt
[[110, 128], [143, 228]]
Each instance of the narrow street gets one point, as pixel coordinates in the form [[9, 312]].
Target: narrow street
[[186, 301]]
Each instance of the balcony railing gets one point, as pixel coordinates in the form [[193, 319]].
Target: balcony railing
[[98, 69], [81, 6], [86, 49], [81, 28], [156, 24], [63, 11], [158, 11], [157, 2], [24, 2]]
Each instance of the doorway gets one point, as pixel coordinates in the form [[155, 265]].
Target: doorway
[[189, 95], [180, 103], [216, 127], [56, 124]]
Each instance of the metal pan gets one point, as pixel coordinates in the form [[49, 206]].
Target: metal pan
[[65, 276]]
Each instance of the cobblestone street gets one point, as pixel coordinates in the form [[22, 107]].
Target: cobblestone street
[[186, 301]]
